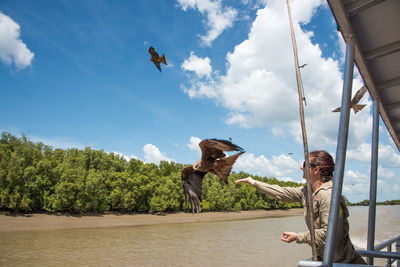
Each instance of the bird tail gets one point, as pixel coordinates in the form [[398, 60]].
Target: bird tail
[[336, 110], [223, 167], [357, 107], [163, 59]]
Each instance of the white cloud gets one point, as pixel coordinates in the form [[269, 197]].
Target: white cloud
[[200, 89], [387, 190], [217, 18], [355, 186], [387, 156], [194, 144], [279, 166], [385, 173], [302, 11], [201, 66], [259, 88], [152, 154], [12, 49]]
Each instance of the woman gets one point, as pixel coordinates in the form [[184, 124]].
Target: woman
[[321, 174]]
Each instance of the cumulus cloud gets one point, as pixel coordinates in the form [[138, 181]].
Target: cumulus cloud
[[194, 144], [356, 185], [279, 166], [387, 156], [12, 48], [385, 173], [217, 18], [303, 11], [200, 66], [152, 154], [259, 88]]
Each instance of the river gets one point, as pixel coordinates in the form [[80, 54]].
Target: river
[[254, 242]]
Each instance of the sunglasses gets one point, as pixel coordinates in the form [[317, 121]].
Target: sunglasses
[[311, 164]]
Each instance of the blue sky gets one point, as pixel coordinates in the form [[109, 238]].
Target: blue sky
[[77, 74]]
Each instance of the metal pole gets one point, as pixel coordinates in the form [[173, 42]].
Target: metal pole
[[388, 260], [340, 154], [373, 181], [309, 201]]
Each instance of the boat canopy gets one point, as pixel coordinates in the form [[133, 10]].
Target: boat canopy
[[375, 27]]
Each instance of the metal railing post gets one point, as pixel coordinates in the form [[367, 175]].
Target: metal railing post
[[340, 154], [373, 180], [398, 251], [389, 260]]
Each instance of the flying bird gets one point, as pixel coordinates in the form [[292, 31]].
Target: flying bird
[[302, 66], [213, 160], [354, 102], [157, 59]]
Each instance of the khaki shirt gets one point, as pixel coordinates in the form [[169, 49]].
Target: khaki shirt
[[344, 250]]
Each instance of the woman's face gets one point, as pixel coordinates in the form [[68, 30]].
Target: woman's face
[[314, 171]]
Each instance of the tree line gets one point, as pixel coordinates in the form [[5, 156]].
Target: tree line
[[35, 177], [366, 203]]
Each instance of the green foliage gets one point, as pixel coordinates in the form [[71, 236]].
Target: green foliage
[[390, 202], [363, 203], [366, 203], [35, 177]]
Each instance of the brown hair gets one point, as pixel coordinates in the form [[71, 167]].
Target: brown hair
[[325, 162]]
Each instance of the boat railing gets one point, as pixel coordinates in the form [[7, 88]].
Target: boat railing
[[391, 257], [388, 254]]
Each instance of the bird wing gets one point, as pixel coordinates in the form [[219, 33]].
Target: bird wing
[[358, 107], [356, 98], [157, 65], [360, 93], [223, 167], [192, 182], [214, 148], [162, 59]]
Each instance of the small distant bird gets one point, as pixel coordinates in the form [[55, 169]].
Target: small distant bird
[[356, 98], [157, 59], [214, 160], [302, 66], [290, 153]]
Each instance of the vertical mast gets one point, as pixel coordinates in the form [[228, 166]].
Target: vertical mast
[[309, 201]]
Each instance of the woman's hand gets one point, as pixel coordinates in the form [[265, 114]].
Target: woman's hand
[[248, 180], [288, 237]]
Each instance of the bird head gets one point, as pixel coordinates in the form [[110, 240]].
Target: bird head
[[196, 165]]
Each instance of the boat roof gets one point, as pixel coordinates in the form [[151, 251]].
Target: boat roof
[[375, 27]]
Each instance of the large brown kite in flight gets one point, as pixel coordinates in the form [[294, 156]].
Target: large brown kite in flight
[[354, 102], [214, 160], [157, 59]]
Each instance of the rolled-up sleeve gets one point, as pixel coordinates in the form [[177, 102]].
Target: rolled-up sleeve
[[284, 194]]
